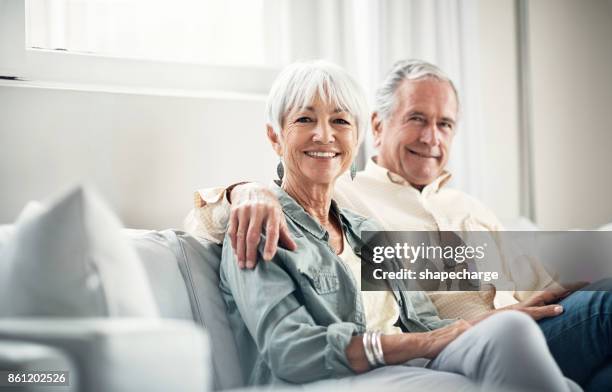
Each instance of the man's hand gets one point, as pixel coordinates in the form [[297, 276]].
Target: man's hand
[[437, 340], [254, 206]]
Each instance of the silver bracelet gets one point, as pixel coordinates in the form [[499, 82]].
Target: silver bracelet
[[378, 351], [367, 349]]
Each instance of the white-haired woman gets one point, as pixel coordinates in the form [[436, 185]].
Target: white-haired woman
[[302, 317]]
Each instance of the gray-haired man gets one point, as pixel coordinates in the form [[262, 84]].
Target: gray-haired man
[[413, 124]]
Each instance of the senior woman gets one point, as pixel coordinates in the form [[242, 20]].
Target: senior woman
[[302, 317]]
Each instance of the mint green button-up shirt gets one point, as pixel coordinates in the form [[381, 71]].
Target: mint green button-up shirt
[[293, 317]]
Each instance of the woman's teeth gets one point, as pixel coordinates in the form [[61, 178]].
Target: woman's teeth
[[317, 154]]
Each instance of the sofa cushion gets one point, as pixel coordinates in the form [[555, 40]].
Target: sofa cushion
[[155, 250], [70, 259], [199, 261], [462, 304]]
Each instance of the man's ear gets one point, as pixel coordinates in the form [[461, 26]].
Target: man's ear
[[377, 128], [274, 139]]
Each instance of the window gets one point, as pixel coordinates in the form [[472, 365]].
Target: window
[[214, 32], [169, 47]]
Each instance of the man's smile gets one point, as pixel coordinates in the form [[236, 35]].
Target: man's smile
[[423, 154]]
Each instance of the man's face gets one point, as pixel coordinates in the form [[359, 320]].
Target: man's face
[[415, 140]]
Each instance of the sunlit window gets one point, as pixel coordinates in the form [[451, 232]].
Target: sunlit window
[[216, 32]]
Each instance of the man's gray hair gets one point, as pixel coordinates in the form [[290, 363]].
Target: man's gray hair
[[384, 102], [300, 83]]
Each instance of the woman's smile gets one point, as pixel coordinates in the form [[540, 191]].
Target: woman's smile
[[322, 154]]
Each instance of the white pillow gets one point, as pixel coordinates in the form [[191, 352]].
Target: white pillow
[[7, 231], [69, 259]]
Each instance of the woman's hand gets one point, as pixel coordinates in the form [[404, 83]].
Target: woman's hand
[[545, 303], [534, 307], [436, 341], [254, 206], [542, 304], [402, 347]]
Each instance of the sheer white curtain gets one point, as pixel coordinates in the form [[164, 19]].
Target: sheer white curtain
[[367, 37]]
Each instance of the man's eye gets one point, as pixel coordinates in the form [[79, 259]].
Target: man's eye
[[341, 121], [417, 118], [446, 125], [304, 120]]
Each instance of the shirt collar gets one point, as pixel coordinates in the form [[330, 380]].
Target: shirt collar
[[374, 170], [300, 217]]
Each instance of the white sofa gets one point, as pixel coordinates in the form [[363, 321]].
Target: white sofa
[[73, 297], [128, 310]]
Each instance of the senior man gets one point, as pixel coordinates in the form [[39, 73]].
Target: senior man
[[404, 188]]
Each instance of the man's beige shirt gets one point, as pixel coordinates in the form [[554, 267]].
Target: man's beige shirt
[[386, 197]]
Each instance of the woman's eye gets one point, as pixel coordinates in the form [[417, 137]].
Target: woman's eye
[[304, 120], [341, 121]]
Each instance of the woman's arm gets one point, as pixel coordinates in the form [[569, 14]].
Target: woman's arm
[[400, 348], [293, 345], [295, 348]]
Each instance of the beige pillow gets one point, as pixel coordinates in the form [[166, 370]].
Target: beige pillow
[[462, 304]]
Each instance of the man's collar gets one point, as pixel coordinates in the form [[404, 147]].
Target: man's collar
[[374, 170]]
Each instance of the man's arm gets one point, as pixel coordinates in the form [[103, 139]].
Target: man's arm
[[244, 211], [209, 216]]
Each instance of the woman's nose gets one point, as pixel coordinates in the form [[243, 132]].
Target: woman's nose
[[323, 133]]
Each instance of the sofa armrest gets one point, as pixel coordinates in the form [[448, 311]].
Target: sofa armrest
[[122, 354]]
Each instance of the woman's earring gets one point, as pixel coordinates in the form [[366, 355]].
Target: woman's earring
[[353, 170], [280, 170]]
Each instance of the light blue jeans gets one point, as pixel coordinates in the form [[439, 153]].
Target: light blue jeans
[[580, 339]]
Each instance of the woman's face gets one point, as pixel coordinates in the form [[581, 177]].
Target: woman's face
[[318, 143]]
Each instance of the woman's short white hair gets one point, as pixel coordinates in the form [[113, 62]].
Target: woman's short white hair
[[384, 102], [302, 82]]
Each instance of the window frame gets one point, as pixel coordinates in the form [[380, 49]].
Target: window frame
[[92, 71]]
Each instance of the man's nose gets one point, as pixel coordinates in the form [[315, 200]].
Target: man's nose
[[430, 135], [323, 133]]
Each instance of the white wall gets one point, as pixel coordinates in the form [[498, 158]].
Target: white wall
[[499, 84], [571, 65], [571, 52], [144, 153]]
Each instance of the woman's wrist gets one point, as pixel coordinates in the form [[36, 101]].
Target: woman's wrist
[[372, 347], [415, 345]]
